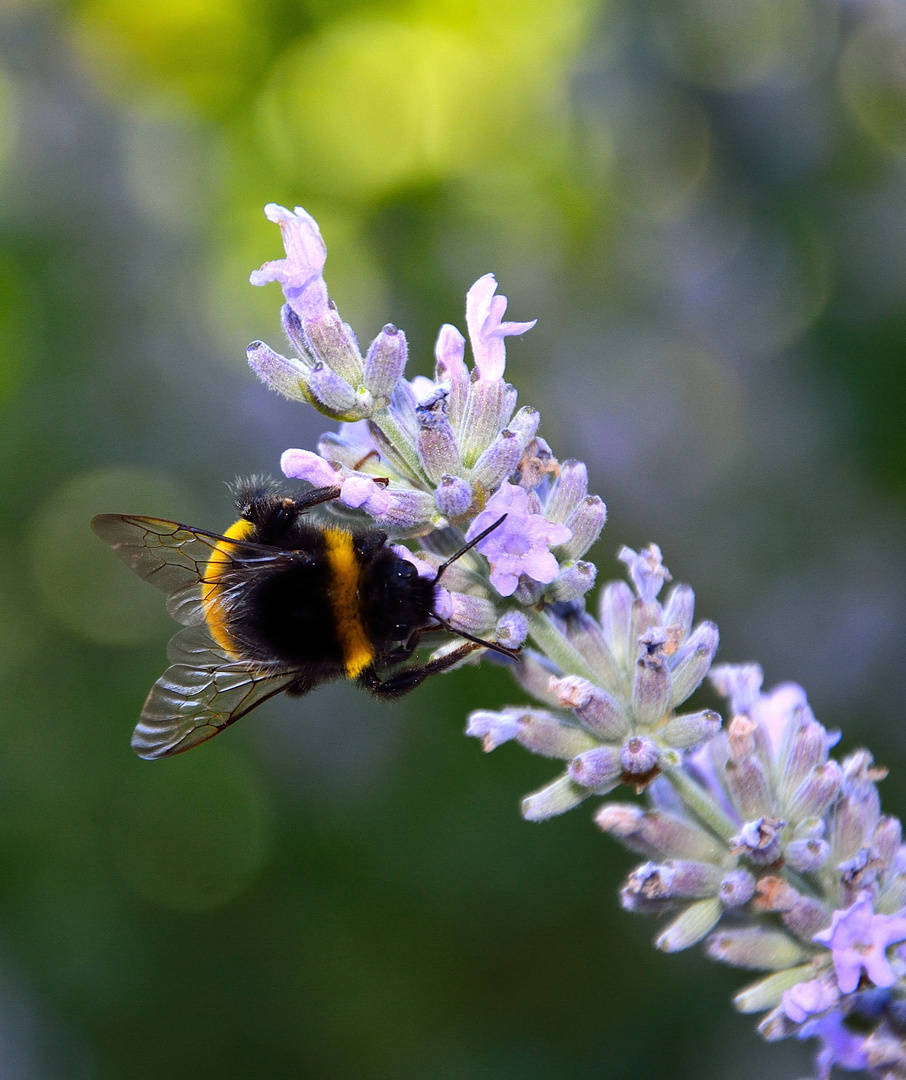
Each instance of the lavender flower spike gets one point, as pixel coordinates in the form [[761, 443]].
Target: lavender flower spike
[[756, 841]]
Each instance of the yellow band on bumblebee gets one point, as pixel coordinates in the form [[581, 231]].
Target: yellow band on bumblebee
[[211, 589], [345, 573]]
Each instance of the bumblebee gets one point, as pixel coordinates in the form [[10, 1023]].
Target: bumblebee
[[278, 603]]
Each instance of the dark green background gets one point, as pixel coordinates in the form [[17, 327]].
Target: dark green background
[[703, 204]]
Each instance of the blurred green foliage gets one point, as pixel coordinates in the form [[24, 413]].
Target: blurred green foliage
[[704, 204]]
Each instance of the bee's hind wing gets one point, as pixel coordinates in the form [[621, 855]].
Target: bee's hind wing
[[171, 556], [202, 692]]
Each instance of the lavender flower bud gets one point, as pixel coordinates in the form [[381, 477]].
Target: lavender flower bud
[[335, 344], [646, 615], [816, 793], [887, 838], [760, 840], [486, 404], [775, 894], [436, 442], [639, 755], [615, 614], [525, 424], [512, 629], [806, 917], [295, 331], [741, 738], [893, 898], [679, 609], [385, 362], [691, 662], [737, 888], [806, 856], [677, 879], [588, 637], [650, 689], [331, 392], [767, 993], [474, 614], [741, 683], [528, 591], [596, 768], [637, 902], [288, 377], [493, 728], [407, 511], [453, 496], [534, 675], [856, 818], [568, 491], [749, 788], [573, 582], [553, 799], [807, 748], [451, 369], [755, 948], [586, 522], [545, 734], [692, 925], [691, 730], [499, 461], [658, 832], [594, 707], [402, 406]]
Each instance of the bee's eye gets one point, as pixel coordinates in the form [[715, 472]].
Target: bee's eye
[[406, 571]]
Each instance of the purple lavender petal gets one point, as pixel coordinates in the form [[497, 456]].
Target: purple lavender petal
[[449, 351], [858, 938], [520, 544], [807, 998], [741, 683], [646, 569], [361, 492], [484, 314], [304, 465], [493, 728], [300, 272], [839, 1045]]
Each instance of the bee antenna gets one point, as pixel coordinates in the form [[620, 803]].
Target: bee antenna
[[511, 654], [459, 554]]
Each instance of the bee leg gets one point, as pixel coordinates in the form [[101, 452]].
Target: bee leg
[[404, 681], [403, 652]]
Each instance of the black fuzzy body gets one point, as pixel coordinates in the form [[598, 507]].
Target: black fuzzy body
[[325, 586]]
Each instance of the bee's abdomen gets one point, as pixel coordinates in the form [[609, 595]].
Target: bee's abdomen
[[285, 614]]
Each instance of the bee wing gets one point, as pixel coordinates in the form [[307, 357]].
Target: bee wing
[[201, 693], [169, 555]]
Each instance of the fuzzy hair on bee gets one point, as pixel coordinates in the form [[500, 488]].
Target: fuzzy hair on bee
[[279, 603]]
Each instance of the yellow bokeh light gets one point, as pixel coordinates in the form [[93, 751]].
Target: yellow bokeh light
[[201, 52], [371, 105]]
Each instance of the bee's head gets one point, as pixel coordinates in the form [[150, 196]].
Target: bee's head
[[252, 492]]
